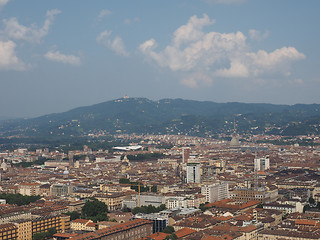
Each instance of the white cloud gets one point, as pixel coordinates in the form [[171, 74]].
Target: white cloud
[[237, 69], [14, 30], [3, 3], [217, 54], [103, 13], [8, 58], [115, 44], [56, 56], [131, 21], [197, 79], [257, 35]]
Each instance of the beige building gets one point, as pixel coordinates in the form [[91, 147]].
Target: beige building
[[80, 225], [112, 200], [263, 195], [29, 189], [285, 234], [136, 229], [24, 229]]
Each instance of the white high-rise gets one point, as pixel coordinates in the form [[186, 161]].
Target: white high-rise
[[193, 173], [215, 192], [261, 164]]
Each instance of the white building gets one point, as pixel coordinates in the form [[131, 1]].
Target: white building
[[215, 192], [193, 173], [261, 164], [29, 189], [176, 202]]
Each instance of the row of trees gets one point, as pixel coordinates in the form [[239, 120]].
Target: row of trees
[[18, 199], [44, 235], [145, 156], [148, 209], [135, 186]]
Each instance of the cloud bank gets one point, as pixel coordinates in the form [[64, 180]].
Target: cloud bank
[[3, 3], [114, 44], [209, 55], [56, 56], [8, 58], [14, 30]]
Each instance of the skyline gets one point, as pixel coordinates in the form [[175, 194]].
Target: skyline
[[55, 56]]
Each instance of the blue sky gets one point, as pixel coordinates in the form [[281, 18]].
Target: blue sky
[[58, 55]]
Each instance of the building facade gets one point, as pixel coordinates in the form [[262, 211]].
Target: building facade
[[29, 189], [193, 173], [215, 192]]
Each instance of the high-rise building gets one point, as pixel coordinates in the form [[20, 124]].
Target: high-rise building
[[261, 164], [193, 173], [70, 155], [235, 142], [185, 154], [215, 192]]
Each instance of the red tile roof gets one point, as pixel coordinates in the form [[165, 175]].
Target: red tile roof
[[184, 232], [159, 236]]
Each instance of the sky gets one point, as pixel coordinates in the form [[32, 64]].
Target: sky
[[59, 55]]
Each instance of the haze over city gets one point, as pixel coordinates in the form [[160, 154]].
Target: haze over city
[[58, 55]]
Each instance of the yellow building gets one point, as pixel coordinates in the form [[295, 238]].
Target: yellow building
[[24, 229], [80, 224], [42, 224], [8, 231], [112, 200]]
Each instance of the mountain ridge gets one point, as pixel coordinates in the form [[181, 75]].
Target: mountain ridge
[[170, 116]]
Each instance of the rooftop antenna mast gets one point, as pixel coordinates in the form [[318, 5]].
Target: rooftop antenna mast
[[256, 182]]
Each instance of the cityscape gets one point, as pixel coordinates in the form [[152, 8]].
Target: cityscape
[[195, 188], [159, 120]]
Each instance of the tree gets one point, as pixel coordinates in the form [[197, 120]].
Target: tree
[[73, 215], [311, 201], [44, 235], [95, 210], [148, 209], [124, 181], [172, 237], [125, 209], [202, 207], [168, 229], [18, 198]]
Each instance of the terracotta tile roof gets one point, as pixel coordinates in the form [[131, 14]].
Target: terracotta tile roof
[[91, 224], [184, 232], [243, 217], [305, 222], [224, 237], [83, 221], [65, 235], [228, 203], [111, 230], [223, 218], [158, 236]]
